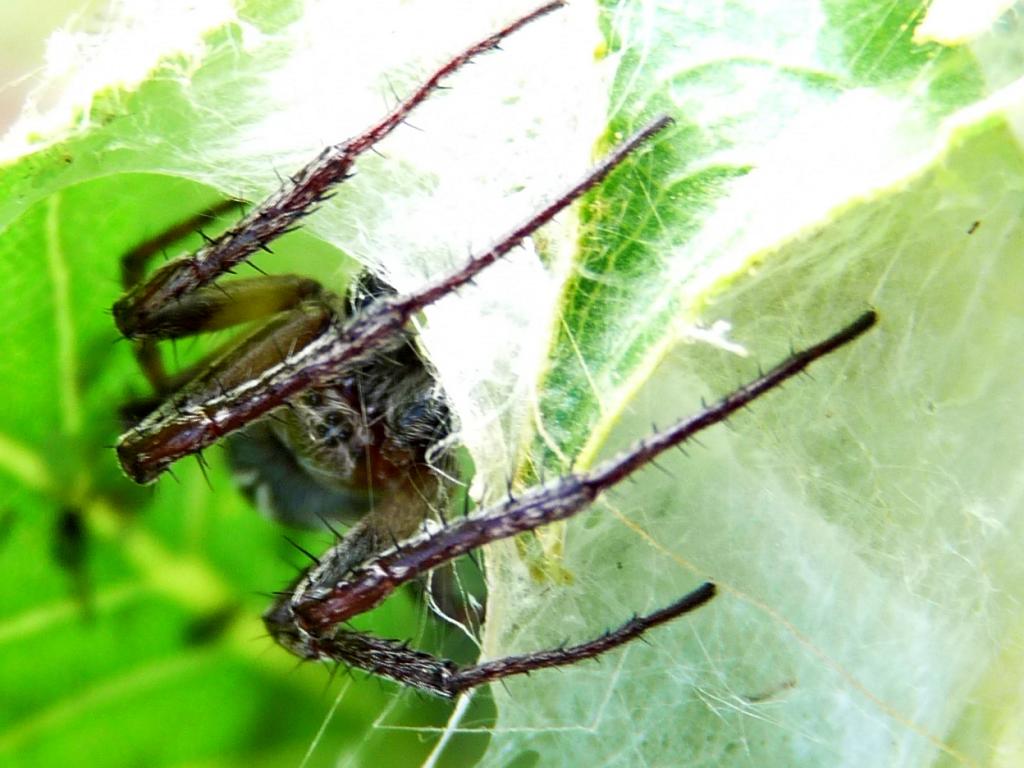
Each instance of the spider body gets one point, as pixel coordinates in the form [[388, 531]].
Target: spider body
[[370, 432], [329, 412]]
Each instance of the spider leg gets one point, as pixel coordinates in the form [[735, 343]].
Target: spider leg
[[166, 434], [232, 303], [388, 658], [298, 196], [328, 604], [214, 308], [395, 516], [135, 261], [133, 268], [324, 346]]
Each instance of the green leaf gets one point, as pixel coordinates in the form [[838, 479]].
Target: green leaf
[[860, 523]]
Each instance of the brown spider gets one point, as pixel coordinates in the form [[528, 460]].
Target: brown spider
[[328, 400]]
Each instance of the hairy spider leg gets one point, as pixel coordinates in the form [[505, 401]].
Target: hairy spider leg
[[306, 620], [135, 312], [133, 268], [215, 308], [207, 309], [445, 678], [394, 515], [308, 347], [160, 438], [135, 262]]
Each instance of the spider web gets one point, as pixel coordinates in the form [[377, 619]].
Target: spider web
[[861, 523]]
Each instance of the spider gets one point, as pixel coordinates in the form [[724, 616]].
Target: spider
[[328, 400]]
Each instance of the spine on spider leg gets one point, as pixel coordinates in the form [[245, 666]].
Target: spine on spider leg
[[280, 212], [545, 504], [168, 436]]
